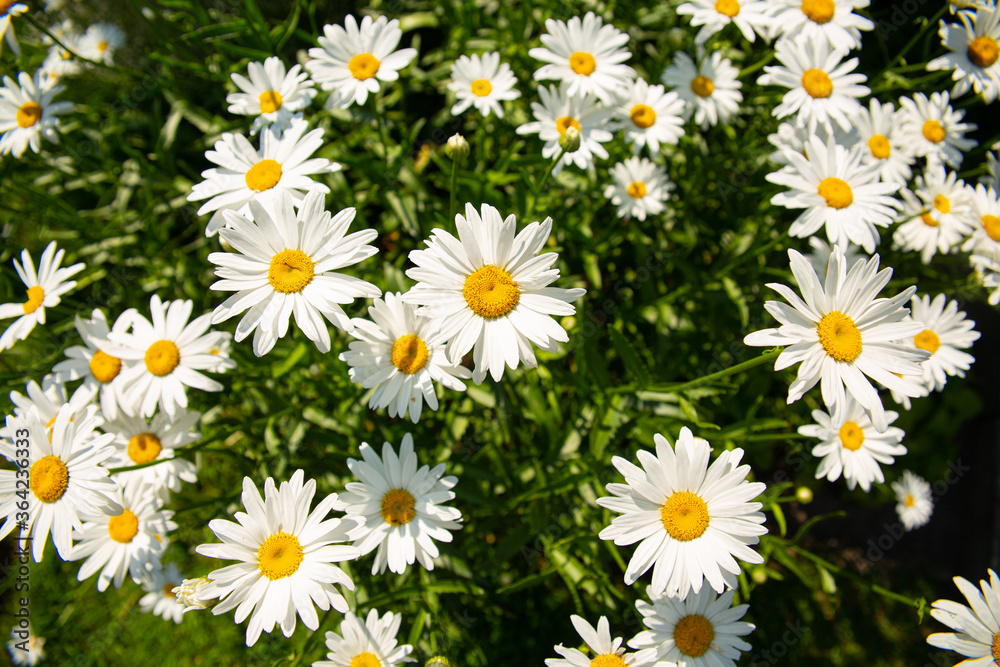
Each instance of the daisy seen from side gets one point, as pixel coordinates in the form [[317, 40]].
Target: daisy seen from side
[[271, 93], [650, 117], [709, 87], [914, 504], [977, 629], [484, 82], [937, 214], [559, 111], [160, 599], [607, 652], [934, 129], [639, 188], [973, 52], [368, 643], [946, 334], [98, 369]]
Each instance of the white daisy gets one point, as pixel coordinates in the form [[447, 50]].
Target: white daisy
[[586, 56], [710, 88], [818, 20], [350, 61], [640, 188], [934, 129], [45, 287], [988, 272], [287, 555], [368, 644], [938, 214], [985, 238], [44, 402], [160, 599], [842, 334], [138, 441], [60, 61], [98, 369], [398, 508], [693, 520], [879, 142], [715, 15], [913, 500], [560, 111], [271, 94], [282, 164], [482, 81], [607, 653], [973, 51], [793, 137], [821, 252], [100, 42], [489, 290], [8, 10], [286, 263], [24, 646], [946, 333], [977, 629], [991, 178], [650, 116]]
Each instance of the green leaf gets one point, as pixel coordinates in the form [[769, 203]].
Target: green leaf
[[636, 369]]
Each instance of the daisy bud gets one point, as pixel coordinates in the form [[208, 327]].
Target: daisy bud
[[187, 594], [804, 495], [438, 661], [570, 139], [457, 148]]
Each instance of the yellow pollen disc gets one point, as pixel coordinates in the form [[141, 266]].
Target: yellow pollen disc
[[264, 175], [365, 659], [933, 131], [409, 354], [566, 122], [851, 436], [144, 447], [49, 478], [35, 297], [270, 101], [28, 114], [104, 367], [879, 146], [983, 51], [363, 66], [168, 590], [279, 556], [162, 358], [908, 501], [996, 648], [637, 190], [817, 83], [819, 11], [927, 340], [942, 204], [481, 88], [607, 660], [991, 224], [728, 8], [693, 635], [928, 220], [643, 116], [491, 292], [582, 62], [291, 271], [685, 516], [702, 86], [839, 336], [124, 527], [398, 507], [837, 193]]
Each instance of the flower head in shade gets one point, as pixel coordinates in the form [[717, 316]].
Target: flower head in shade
[[100, 42], [482, 81], [272, 94], [946, 333], [937, 214], [371, 643], [160, 599], [934, 129], [557, 114], [818, 20], [98, 369], [709, 87], [880, 142], [973, 52], [649, 116], [24, 646], [44, 402], [640, 188], [607, 652], [914, 504], [977, 629], [750, 16], [138, 441], [988, 273]]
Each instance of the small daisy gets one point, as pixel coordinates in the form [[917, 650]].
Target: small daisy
[[821, 252], [484, 82], [650, 116], [368, 644], [100, 42], [271, 94], [25, 650], [714, 15], [283, 164], [401, 354], [606, 652], [913, 500], [938, 214], [934, 129], [286, 264], [794, 138], [991, 178], [398, 508], [841, 334], [640, 187], [60, 60], [350, 61], [586, 56], [693, 520], [560, 111], [98, 369], [945, 335], [879, 142], [988, 272], [710, 88], [287, 555], [160, 599], [8, 10], [819, 20], [489, 290], [138, 441], [44, 403], [973, 51], [977, 630], [985, 238]]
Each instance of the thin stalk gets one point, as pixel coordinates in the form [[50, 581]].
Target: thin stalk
[[541, 184], [711, 377]]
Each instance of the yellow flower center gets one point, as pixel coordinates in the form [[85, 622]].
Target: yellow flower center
[[481, 88], [933, 131], [270, 101], [398, 507], [728, 8], [839, 336], [365, 659], [144, 447], [162, 357], [35, 297], [927, 340], [28, 114], [582, 62], [685, 516], [819, 11], [991, 224], [817, 83], [643, 116], [124, 527], [363, 66], [291, 271], [928, 220], [879, 146], [637, 190], [49, 478], [693, 635], [851, 436], [942, 204], [566, 122], [409, 354], [702, 86], [908, 501], [168, 591], [837, 193], [996, 648], [279, 556], [264, 175], [491, 292], [983, 51], [608, 660], [104, 367]]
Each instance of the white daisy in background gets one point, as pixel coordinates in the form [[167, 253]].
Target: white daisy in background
[[44, 402], [700, 630], [401, 354], [164, 356], [282, 164], [138, 441], [287, 555], [973, 51], [987, 269], [991, 178], [710, 88], [160, 599], [98, 369], [607, 652], [714, 15], [25, 650], [8, 10], [649, 116], [976, 626], [368, 644], [44, 289], [879, 142], [489, 290], [560, 111], [914, 504], [399, 509], [837, 192], [937, 213], [100, 41], [351, 61], [841, 334], [693, 520], [286, 264], [271, 94], [640, 188], [818, 20], [587, 57], [821, 252], [482, 81], [65, 478], [985, 237], [934, 129], [946, 333], [60, 60], [793, 137]]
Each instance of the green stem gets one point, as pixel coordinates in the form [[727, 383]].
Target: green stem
[[96, 63], [757, 65], [311, 640], [711, 377], [538, 188], [913, 41], [874, 588]]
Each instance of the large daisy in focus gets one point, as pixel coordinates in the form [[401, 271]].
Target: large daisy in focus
[[938, 214], [973, 52], [709, 87], [272, 94], [371, 643], [484, 82], [649, 116], [98, 369], [28, 114], [879, 142], [977, 629], [607, 652], [560, 111]]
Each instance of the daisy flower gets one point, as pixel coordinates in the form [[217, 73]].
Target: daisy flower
[[287, 555], [650, 116], [350, 61], [977, 630], [988, 270], [399, 509], [44, 402], [939, 214], [281, 165], [8, 10], [100, 42], [985, 238], [715, 15], [286, 263], [489, 290], [991, 178], [164, 356], [45, 286], [98, 369], [482, 81], [817, 20], [710, 88], [401, 354], [560, 111], [160, 599], [60, 60], [837, 192], [945, 335], [586, 56], [793, 137], [693, 520], [271, 94], [368, 644], [821, 252], [25, 647], [879, 142], [913, 500], [606, 651], [640, 187], [934, 129], [973, 51], [138, 441], [842, 334]]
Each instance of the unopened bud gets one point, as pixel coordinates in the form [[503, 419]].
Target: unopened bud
[[759, 576], [570, 139], [457, 148], [438, 661], [804, 495], [188, 594]]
